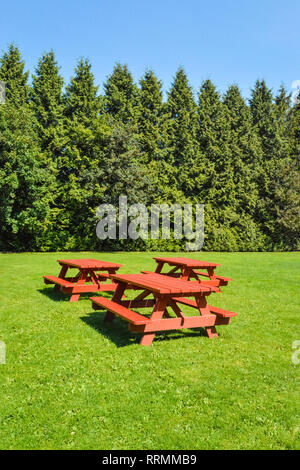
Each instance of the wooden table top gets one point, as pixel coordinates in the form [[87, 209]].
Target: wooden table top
[[186, 262], [87, 263], [159, 283]]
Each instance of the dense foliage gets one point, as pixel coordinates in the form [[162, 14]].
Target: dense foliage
[[66, 150]]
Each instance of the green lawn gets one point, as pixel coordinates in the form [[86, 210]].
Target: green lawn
[[72, 382]]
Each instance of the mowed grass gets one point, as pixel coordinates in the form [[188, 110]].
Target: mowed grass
[[72, 382]]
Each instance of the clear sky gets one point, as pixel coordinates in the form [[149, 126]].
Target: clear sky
[[228, 41]]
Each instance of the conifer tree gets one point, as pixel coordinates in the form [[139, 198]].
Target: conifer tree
[[151, 121], [265, 120], [81, 99], [216, 186], [26, 183], [47, 103], [213, 137], [120, 97], [246, 156], [293, 132], [282, 107], [266, 124], [183, 114], [13, 75], [79, 166]]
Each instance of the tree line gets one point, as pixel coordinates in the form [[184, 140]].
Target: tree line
[[66, 149]]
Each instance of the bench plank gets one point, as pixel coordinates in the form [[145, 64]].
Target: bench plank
[[216, 310], [57, 280], [120, 310], [221, 278]]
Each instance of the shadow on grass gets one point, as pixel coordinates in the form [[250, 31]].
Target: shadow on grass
[[118, 332], [59, 296], [55, 295]]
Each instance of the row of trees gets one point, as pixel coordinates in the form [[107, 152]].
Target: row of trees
[[65, 150]]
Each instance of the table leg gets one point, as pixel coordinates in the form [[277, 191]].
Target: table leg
[[81, 280], [204, 310], [109, 317], [159, 267], [211, 273], [186, 272], [62, 275], [158, 312]]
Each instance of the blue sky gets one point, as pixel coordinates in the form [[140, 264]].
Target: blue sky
[[228, 41]]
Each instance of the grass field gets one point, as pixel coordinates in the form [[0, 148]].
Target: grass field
[[72, 382]]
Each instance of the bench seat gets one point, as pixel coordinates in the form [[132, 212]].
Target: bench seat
[[223, 280], [216, 310], [58, 281], [102, 303]]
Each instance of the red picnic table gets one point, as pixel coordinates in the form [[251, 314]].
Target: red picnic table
[[89, 278], [165, 292], [186, 268]]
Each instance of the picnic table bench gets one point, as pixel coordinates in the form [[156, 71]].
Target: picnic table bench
[[89, 278], [165, 292], [186, 268]]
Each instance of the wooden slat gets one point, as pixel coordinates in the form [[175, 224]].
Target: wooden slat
[[221, 312], [183, 286], [87, 263], [162, 284], [166, 324], [212, 285], [120, 310], [181, 261], [215, 310], [142, 281], [57, 280], [221, 278]]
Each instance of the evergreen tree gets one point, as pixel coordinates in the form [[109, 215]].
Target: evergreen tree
[[293, 132], [81, 99], [151, 121], [282, 107], [121, 94], [286, 205], [216, 182], [13, 75], [265, 120], [246, 156], [79, 166], [82, 122], [266, 124], [123, 173], [214, 137], [183, 114], [26, 183], [47, 103]]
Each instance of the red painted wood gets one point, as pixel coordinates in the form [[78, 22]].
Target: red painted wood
[[210, 283], [57, 280], [120, 310], [89, 264], [221, 312], [216, 310], [188, 270], [188, 322], [168, 292], [162, 284], [221, 278], [158, 312], [87, 280], [181, 261]]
